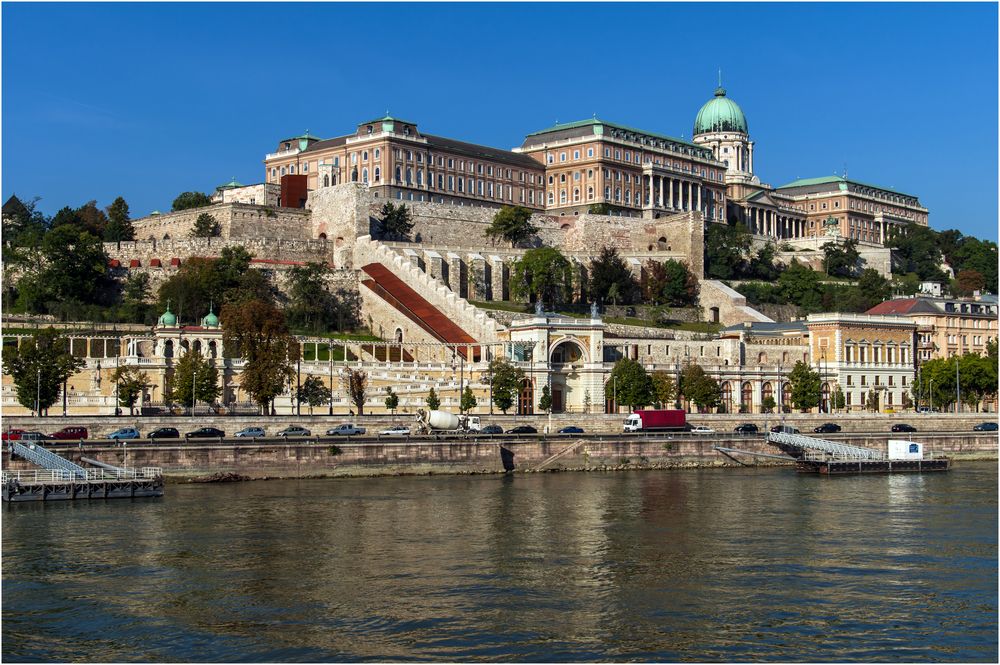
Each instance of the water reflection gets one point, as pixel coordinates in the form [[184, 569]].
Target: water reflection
[[698, 565]]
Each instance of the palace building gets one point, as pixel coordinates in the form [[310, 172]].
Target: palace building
[[572, 168]]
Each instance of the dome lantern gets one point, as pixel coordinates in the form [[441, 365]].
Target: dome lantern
[[167, 319]]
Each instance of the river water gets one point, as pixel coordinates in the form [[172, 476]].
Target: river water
[[707, 565]]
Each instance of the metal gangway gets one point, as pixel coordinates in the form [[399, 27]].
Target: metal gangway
[[47, 459], [820, 449]]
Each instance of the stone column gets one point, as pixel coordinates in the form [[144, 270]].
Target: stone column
[[496, 277], [670, 193], [455, 273], [478, 288], [699, 197], [663, 183], [433, 262]]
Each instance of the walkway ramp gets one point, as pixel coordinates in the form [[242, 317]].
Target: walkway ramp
[[800, 446], [46, 459], [562, 453], [415, 307]]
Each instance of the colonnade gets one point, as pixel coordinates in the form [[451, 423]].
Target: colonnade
[[772, 223], [667, 193]]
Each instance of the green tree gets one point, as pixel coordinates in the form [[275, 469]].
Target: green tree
[[135, 295], [839, 400], [979, 256], [915, 249], [313, 392], [356, 385], [545, 274], [391, 400], [39, 367], [206, 226], [433, 402], [188, 200], [92, 219], [396, 222], [805, 386], [607, 270], [603, 209], [23, 224], [193, 371], [72, 268], [257, 332], [842, 260], [670, 283], [800, 284], [131, 384], [699, 388], [511, 224], [768, 404], [545, 400], [632, 386], [468, 401], [119, 224], [727, 250], [664, 389], [311, 305], [505, 383]]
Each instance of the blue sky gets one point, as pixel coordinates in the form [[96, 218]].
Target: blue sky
[[147, 101]]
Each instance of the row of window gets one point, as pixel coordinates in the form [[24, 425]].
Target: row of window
[[636, 158], [877, 380]]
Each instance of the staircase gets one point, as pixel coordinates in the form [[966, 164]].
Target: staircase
[[47, 459], [451, 318]]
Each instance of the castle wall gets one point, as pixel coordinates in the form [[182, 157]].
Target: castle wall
[[236, 220]]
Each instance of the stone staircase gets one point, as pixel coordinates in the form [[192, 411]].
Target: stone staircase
[[467, 317]]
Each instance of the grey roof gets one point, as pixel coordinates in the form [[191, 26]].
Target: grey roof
[[768, 327], [451, 145]]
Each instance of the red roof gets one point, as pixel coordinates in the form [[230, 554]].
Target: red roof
[[175, 261], [900, 306], [155, 263], [134, 263], [114, 263]]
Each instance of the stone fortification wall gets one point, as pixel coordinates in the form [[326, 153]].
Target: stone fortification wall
[[341, 214], [277, 249], [236, 220], [809, 251]]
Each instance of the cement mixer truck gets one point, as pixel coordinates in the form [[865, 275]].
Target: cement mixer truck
[[443, 421]]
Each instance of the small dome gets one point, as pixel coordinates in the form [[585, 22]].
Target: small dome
[[210, 321], [167, 319], [720, 114]]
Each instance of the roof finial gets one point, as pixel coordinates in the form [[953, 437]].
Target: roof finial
[[720, 77], [168, 304]]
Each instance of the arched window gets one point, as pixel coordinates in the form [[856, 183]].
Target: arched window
[[746, 398], [326, 181], [727, 396], [761, 358], [378, 174], [420, 177], [590, 193], [576, 195], [766, 391], [409, 176], [364, 175], [364, 156], [399, 177], [377, 153]]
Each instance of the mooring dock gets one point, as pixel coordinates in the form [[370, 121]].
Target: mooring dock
[[62, 480], [813, 455]]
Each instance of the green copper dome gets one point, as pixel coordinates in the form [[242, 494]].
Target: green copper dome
[[167, 319], [720, 114], [211, 320]]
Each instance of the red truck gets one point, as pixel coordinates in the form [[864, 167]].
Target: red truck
[[656, 420]]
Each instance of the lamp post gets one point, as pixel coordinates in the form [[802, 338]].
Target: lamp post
[[38, 393], [614, 395], [958, 388], [194, 400], [931, 394]]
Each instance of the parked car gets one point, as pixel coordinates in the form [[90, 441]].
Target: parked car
[[702, 429], [571, 430], [347, 429], [13, 434], [294, 430], [746, 428], [523, 429], [35, 436], [827, 428], [785, 429], [985, 427], [491, 429], [903, 427], [927, 409], [395, 430], [165, 433], [72, 432], [205, 433], [250, 432], [125, 433]]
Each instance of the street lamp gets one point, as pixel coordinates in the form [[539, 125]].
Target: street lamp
[[38, 393], [958, 389], [194, 399], [931, 392]]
